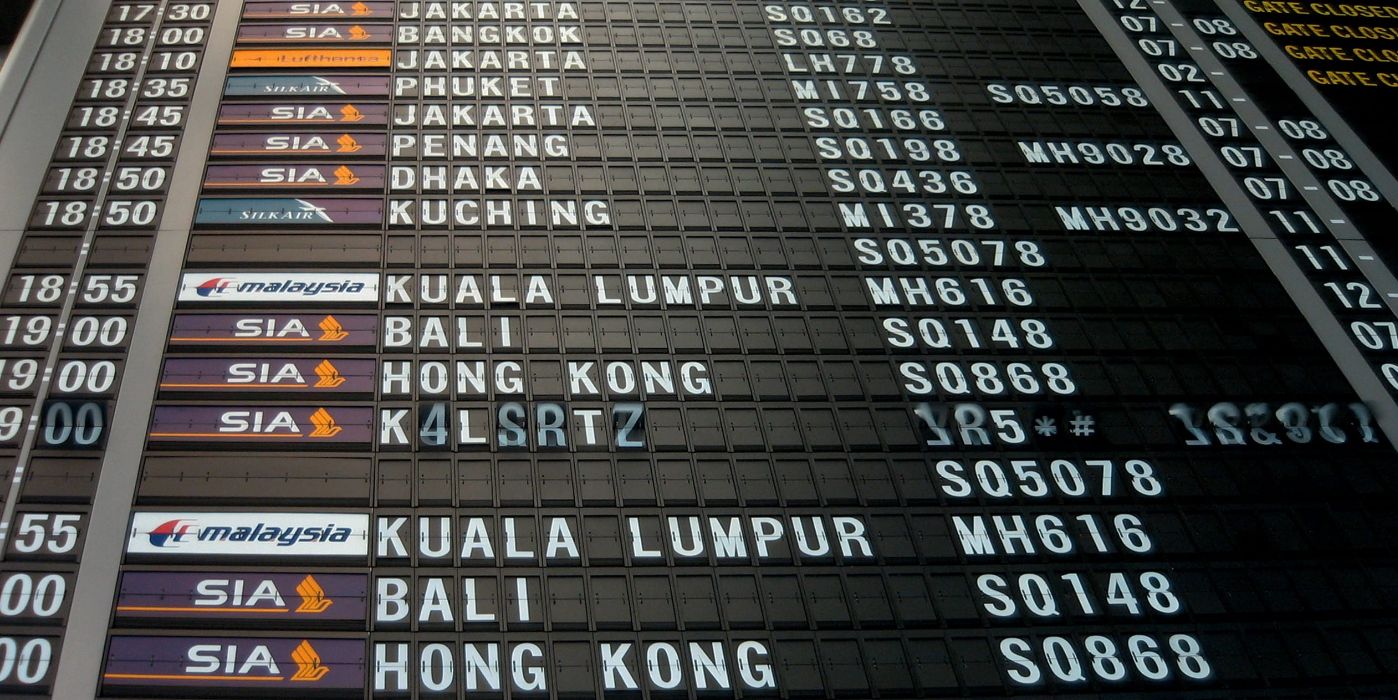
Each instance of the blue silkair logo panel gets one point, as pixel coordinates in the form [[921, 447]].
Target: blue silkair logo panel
[[289, 211], [306, 84]]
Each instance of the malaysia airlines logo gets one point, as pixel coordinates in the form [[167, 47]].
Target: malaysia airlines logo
[[252, 535], [169, 533], [282, 286], [214, 286]]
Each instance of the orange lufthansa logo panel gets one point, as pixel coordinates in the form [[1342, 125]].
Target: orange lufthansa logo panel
[[310, 58]]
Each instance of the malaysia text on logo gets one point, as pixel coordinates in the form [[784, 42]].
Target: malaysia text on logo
[[249, 534], [307, 287]]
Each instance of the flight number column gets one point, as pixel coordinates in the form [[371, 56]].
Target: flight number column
[[849, 86], [68, 305], [898, 173]]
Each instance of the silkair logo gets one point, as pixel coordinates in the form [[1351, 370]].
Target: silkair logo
[[169, 533], [327, 85], [217, 285]]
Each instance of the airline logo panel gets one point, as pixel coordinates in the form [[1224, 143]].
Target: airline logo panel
[[312, 331], [291, 665], [304, 114], [263, 426], [305, 86], [224, 597], [292, 375]]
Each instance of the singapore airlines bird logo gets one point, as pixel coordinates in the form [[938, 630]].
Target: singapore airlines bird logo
[[309, 666], [330, 376], [345, 176], [331, 331], [348, 144], [357, 33], [362, 10], [350, 113], [325, 425], [313, 598]]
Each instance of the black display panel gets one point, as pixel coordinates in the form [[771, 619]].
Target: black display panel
[[708, 349]]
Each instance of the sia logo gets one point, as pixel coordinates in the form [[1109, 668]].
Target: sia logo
[[347, 142], [217, 661], [309, 667], [345, 176], [330, 378], [169, 533], [357, 33], [325, 425], [350, 113], [331, 330], [362, 10], [313, 598], [236, 594]]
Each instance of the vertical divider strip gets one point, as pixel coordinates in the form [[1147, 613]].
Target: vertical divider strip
[[80, 660]]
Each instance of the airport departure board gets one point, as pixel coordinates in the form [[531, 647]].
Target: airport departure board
[[870, 349]]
